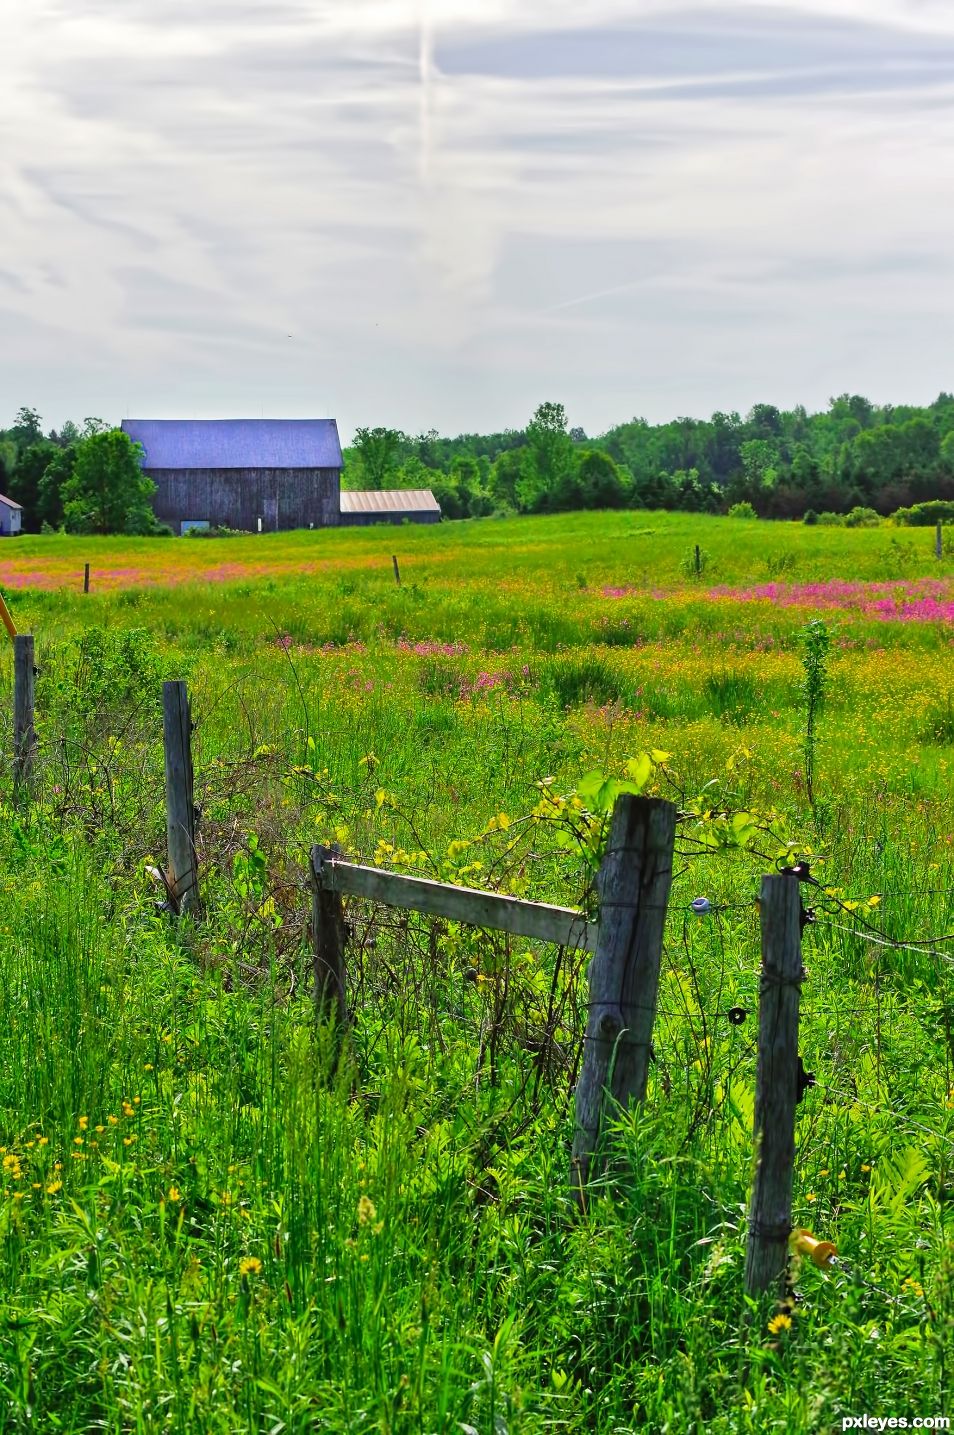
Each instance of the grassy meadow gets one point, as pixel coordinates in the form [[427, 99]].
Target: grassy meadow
[[207, 1226]]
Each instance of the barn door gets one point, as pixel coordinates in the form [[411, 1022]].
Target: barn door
[[271, 513]]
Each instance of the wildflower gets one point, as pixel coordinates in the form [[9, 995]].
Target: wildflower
[[250, 1266], [128, 1109], [149, 1066], [779, 1323], [83, 1122], [174, 1194], [113, 1120], [100, 1129], [128, 1140], [78, 1141], [366, 1211], [53, 1187]]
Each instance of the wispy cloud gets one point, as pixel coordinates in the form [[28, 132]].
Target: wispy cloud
[[456, 208]]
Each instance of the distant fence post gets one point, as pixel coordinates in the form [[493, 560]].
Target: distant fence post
[[698, 561], [328, 941], [180, 803], [777, 1089], [633, 884], [86, 579], [24, 733], [397, 571], [939, 541]]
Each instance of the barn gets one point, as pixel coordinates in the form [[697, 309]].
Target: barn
[[261, 475], [389, 505], [250, 474], [10, 514]]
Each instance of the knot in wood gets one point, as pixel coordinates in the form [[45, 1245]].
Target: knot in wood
[[611, 1023]]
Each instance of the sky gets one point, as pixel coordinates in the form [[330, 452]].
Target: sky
[[440, 213]]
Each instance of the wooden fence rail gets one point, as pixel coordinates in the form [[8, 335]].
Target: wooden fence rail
[[560, 925]]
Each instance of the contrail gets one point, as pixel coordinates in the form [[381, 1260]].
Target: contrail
[[427, 87]]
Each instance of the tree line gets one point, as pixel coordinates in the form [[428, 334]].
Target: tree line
[[854, 457], [853, 461], [83, 479]]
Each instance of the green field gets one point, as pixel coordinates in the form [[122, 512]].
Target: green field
[[206, 1228]]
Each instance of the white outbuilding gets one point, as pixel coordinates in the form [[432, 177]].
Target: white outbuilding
[[9, 517]]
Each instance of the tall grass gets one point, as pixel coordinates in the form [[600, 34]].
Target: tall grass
[[207, 1225]]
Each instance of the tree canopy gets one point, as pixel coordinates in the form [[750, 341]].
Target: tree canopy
[[784, 463]]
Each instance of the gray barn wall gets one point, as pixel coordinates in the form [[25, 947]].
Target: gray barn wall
[[239, 497], [364, 520]]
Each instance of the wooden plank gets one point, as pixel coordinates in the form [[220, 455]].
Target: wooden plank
[[7, 621], [24, 732], [180, 806], [634, 883], [561, 925], [777, 1086]]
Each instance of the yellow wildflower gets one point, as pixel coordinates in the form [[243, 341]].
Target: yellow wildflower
[[366, 1210], [250, 1266], [779, 1323], [174, 1194], [83, 1122], [53, 1187]]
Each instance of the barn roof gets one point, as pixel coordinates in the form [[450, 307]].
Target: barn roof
[[237, 443], [9, 503], [389, 500]]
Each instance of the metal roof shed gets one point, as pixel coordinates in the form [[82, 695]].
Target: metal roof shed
[[11, 515], [360, 507]]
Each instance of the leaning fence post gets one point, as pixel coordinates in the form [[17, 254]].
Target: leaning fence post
[[24, 732], [180, 802], [633, 886], [777, 1090], [328, 938], [397, 571], [939, 542]]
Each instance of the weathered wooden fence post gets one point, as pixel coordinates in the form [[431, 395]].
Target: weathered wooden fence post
[[698, 560], [328, 941], [183, 878], [633, 885], [939, 542], [777, 1082], [86, 579], [397, 571], [24, 733]]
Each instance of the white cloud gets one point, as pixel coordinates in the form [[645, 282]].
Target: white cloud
[[458, 207]]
